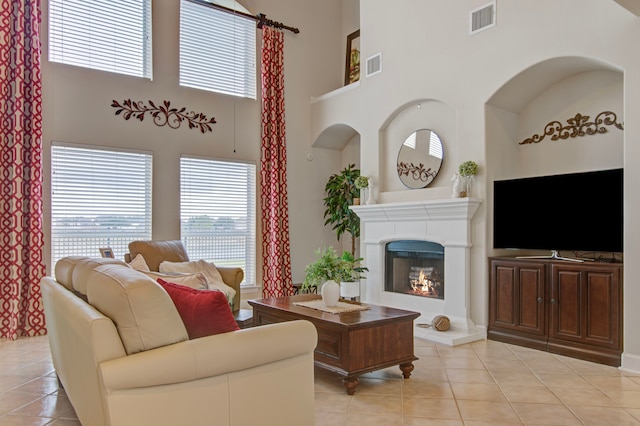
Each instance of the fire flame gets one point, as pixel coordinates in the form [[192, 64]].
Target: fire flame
[[424, 285]]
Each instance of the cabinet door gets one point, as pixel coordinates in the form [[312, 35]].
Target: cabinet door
[[517, 297], [585, 304]]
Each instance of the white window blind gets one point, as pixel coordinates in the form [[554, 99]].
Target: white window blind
[[217, 50], [106, 35], [99, 198], [217, 212]]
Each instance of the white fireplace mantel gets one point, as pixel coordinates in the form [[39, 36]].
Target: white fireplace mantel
[[447, 222], [449, 209]]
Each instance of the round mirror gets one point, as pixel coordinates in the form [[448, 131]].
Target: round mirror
[[420, 158]]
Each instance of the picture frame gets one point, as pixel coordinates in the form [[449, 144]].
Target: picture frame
[[352, 64], [107, 252]]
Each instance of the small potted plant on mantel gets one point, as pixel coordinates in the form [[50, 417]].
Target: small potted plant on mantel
[[362, 183], [466, 172]]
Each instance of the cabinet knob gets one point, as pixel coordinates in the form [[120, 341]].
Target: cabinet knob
[[539, 299], [554, 301]]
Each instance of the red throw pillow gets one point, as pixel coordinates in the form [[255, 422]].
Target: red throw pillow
[[203, 312]]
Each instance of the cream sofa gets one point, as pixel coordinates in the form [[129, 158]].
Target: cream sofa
[[124, 358]]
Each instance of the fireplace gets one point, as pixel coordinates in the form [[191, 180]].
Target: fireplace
[[416, 233], [415, 268]]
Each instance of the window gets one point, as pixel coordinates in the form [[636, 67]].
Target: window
[[99, 198], [217, 212], [217, 50], [106, 35]]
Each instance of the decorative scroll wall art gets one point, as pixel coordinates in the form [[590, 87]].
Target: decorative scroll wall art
[[164, 115], [578, 126], [417, 172]]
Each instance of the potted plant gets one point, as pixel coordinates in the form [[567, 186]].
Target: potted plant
[[340, 191], [362, 183], [350, 275], [466, 172], [326, 271], [333, 271]]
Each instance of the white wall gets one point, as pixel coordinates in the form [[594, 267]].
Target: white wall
[[584, 49]]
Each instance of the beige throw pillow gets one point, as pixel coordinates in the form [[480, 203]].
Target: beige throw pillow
[[214, 279], [139, 264], [196, 281]]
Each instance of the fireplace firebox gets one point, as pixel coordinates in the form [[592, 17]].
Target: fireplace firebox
[[415, 267]]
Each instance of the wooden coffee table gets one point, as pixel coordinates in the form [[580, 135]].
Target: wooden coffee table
[[349, 343]]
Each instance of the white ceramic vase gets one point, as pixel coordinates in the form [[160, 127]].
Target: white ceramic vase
[[363, 195], [371, 197], [330, 293], [349, 289]]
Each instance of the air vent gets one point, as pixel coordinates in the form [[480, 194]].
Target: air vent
[[374, 64], [483, 18]]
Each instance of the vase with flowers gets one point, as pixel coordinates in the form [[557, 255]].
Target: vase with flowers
[[464, 179], [362, 183]]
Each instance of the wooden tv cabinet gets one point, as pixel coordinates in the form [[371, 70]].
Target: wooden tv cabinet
[[572, 309]]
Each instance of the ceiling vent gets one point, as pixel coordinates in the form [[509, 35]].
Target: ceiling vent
[[374, 64], [483, 18]]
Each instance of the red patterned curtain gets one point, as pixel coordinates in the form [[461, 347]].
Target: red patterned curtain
[[21, 235], [276, 256]]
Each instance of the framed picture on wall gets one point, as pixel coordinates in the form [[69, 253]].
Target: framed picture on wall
[[107, 252], [352, 65]]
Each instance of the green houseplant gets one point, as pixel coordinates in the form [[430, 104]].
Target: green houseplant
[[350, 275], [350, 269], [325, 271], [340, 192], [329, 265]]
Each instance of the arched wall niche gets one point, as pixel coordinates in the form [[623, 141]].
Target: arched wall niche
[[336, 137], [415, 115], [553, 90]]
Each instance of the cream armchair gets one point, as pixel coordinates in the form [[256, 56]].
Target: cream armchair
[[155, 252]]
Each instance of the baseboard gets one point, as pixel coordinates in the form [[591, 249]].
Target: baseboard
[[630, 363]]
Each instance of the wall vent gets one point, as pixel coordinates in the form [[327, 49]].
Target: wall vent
[[374, 64], [483, 18]]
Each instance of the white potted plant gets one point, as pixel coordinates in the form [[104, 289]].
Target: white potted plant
[[330, 273], [464, 178], [362, 183], [351, 273], [325, 274]]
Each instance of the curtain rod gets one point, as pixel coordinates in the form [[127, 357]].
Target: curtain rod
[[260, 18]]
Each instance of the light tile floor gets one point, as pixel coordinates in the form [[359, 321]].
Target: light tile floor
[[482, 383]]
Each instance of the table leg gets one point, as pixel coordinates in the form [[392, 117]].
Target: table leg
[[406, 369], [351, 383]]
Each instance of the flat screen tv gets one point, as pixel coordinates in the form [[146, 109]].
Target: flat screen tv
[[572, 212]]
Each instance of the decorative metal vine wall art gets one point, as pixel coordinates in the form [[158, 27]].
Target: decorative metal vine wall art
[[578, 126], [416, 172], [163, 114]]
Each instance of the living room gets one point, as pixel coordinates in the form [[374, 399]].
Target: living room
[[483, 93], [489, 91]]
